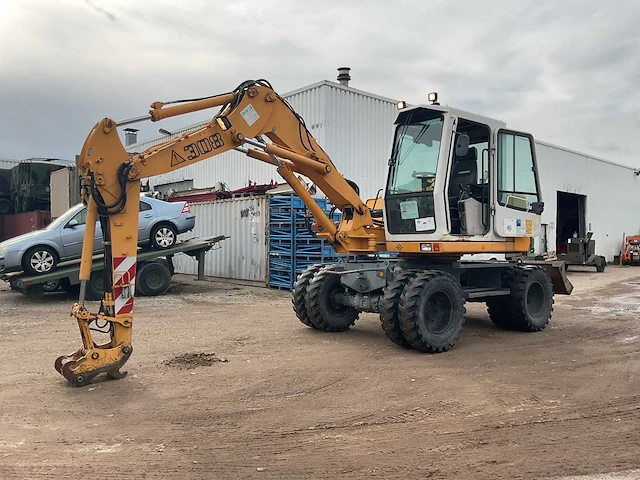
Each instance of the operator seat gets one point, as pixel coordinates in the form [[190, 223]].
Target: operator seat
[[464, 173]]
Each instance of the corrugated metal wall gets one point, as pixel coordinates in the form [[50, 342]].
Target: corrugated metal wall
[[359, 135], [243, 256], [611, 191]]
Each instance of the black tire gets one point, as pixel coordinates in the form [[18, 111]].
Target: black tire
[[499, 307], [601, 265], [299, 292], [431, 312], [153, 278], [6, 206], [40, 260], [95, 286], [529, 306], [321, 307], [389, 313], [51, 285], [163, 236]]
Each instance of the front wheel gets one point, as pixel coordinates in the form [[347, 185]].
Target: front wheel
[[39, 260], [164, 236]]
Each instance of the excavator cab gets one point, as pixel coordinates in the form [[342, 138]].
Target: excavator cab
[[459, 177]]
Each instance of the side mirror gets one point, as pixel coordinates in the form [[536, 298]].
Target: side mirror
[[462, 145], [72, 223]]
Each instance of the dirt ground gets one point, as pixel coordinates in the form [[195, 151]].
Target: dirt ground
[[225, 383]]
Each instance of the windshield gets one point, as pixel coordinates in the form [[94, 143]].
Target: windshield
[[64, 218], [415, 157]]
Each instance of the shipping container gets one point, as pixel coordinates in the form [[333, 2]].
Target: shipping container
[[65, 191], [20, 223], [243, 255]]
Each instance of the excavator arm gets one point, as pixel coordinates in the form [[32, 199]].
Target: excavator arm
[[110, 180]]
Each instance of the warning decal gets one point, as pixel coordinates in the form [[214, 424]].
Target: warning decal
[[176, 159]]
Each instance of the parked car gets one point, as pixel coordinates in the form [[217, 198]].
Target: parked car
[[40, 252]]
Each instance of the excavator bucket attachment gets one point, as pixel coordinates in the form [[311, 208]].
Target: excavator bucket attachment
[[557, 269]]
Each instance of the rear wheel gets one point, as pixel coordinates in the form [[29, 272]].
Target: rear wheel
[[299, 293], [529, 306], [164, 236], [325, 313], [153, 278], [431, 312], [389, 308], [39, 260]]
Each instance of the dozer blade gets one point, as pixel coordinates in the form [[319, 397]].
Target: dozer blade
[[557, 269]]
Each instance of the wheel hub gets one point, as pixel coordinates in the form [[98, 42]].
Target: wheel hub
[[165, 237], [42, 261]]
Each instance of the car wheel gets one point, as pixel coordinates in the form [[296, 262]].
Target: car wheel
[[164, 236], [39, 260]]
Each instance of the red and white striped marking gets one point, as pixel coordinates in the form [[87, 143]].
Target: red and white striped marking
[[124, 283]]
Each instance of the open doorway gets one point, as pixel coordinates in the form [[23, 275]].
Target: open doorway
[[571, 218]]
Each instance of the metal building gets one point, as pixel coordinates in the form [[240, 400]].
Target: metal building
[[355, 128]]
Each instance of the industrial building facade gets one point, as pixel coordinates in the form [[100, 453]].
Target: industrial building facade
[[581, 193]]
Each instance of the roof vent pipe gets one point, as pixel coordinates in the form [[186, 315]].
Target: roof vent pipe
[[130, 136], [343, 76]]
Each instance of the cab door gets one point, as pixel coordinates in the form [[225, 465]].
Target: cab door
[[517, 203]]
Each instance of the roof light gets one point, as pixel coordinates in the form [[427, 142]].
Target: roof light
[[401, 104], [433, 98]]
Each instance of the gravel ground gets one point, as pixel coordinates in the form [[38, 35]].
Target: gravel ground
[[224, 382]]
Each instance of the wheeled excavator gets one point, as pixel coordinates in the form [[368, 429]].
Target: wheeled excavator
[[457, 184]]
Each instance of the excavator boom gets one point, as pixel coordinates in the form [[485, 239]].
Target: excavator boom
[[252, 119]]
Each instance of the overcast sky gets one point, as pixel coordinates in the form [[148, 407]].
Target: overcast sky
[[567, 71]]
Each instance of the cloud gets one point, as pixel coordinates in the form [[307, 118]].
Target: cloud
[[565, 71], [98, 8]]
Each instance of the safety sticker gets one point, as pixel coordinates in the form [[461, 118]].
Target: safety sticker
[[428, 223], [529, 227], [409, 209], [509, 225], [250, 115]]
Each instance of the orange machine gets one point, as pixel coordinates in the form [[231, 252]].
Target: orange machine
[[631, 254], [458, 183]]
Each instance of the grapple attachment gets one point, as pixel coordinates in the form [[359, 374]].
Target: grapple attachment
[[82, 366]]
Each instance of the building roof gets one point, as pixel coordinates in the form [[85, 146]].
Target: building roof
[[143, 145]]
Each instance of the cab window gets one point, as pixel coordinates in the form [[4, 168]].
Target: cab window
[[517, 183]]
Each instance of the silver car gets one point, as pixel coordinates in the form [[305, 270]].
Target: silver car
[[39, 252]]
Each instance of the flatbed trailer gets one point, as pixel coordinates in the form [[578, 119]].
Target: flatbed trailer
[[153, 277]]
